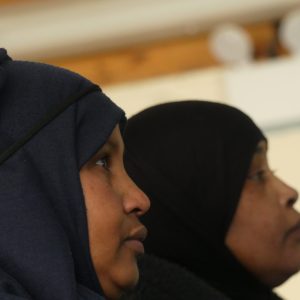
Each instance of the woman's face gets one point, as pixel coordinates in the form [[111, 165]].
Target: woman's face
[[265, 232], [114, 205]]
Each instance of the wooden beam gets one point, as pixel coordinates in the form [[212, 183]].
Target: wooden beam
[[161, 58]]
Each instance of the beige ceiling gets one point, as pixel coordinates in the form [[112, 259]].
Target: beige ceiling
[[33, 29]]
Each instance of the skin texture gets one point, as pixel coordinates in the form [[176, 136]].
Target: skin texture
[[265, 232], [114, 204]]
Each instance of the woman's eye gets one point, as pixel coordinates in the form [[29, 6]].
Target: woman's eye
[[103, 162], [258, 176]]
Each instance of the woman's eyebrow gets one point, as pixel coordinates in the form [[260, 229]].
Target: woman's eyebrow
[[112, 145], [109, 146], [104, 150]]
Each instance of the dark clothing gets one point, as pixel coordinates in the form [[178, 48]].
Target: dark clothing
[[192, 159], [162, 280], [44, 248]]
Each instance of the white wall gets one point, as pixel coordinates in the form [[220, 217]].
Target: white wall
[[284, 151], [133, 97]]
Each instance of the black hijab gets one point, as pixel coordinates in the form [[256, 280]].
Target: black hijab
[[192, 158], [51, 122]]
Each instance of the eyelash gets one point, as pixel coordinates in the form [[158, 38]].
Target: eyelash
[[260, 176], [103, 162]]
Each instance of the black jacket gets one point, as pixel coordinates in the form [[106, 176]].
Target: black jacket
[[162, 280]]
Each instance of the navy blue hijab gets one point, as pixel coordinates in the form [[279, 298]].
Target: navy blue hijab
[[192, 159], [51, 122]]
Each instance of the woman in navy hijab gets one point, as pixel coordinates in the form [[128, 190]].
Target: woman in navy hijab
[[69, 221], [217, 209]]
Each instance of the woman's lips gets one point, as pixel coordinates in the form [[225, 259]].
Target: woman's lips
[[135, 239], [294, 230], [135, 245]]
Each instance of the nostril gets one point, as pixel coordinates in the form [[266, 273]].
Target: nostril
[[144, 203], [291, 197], [294, 197], [291, 201], [136, 211]]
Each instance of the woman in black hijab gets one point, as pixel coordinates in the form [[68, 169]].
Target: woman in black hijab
[[69, 212], [216, 208]]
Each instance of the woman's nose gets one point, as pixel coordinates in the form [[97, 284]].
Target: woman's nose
[[136, 200], [289, 195], [293, 197]]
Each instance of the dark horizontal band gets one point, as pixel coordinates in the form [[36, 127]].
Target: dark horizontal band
[[51, 115]]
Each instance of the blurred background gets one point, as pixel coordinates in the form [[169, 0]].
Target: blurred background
[[245, 53]]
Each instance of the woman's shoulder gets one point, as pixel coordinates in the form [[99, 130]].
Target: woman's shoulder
[[163, 280]]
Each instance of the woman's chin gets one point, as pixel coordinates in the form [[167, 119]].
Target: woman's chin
[[124, 279]]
